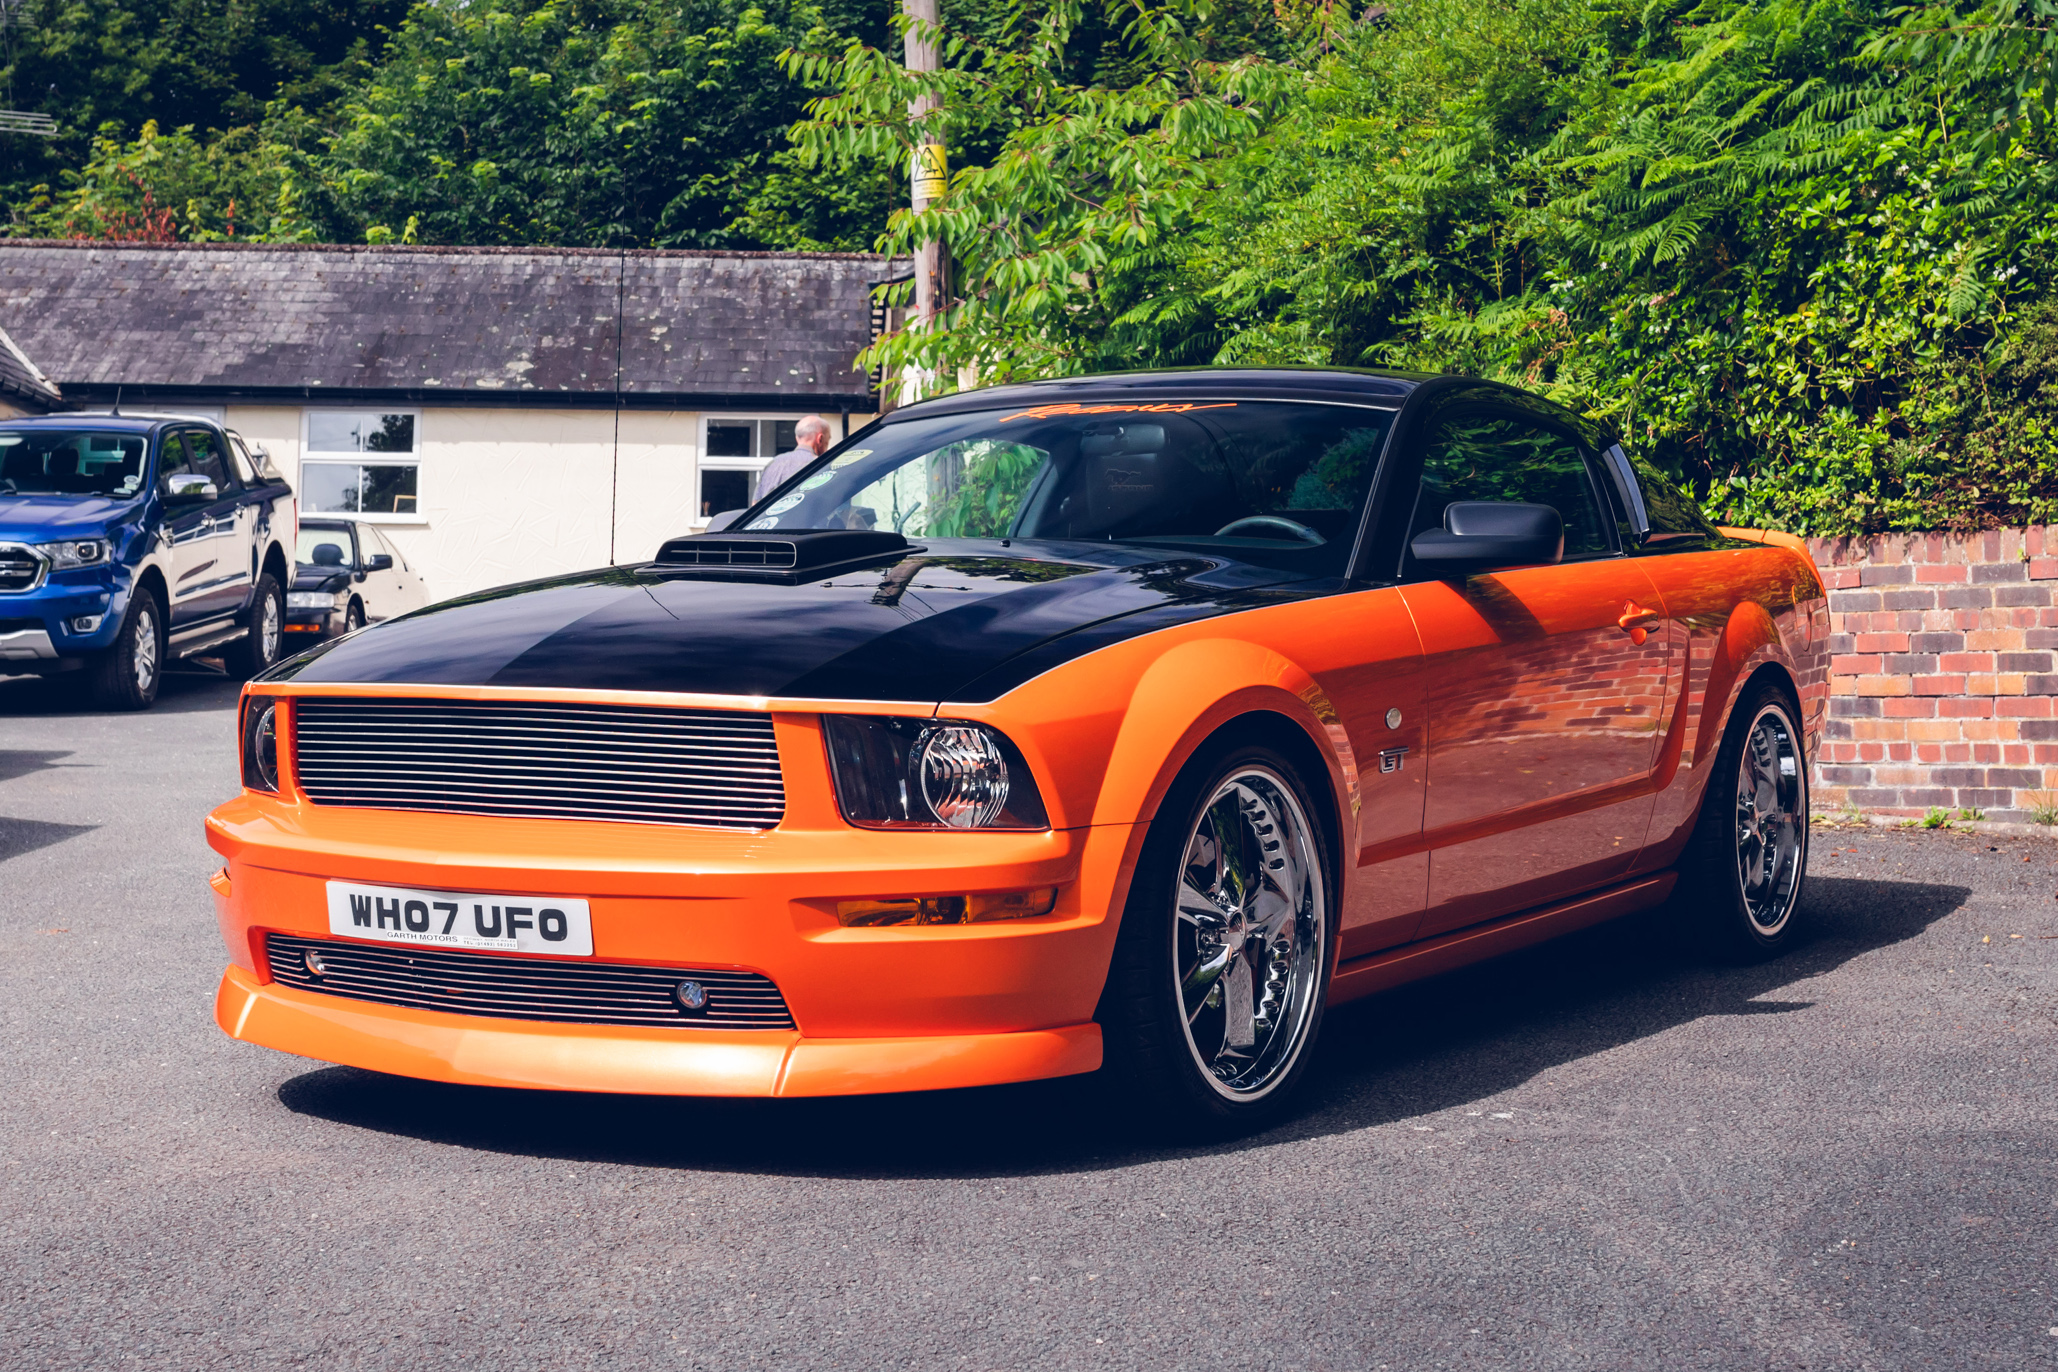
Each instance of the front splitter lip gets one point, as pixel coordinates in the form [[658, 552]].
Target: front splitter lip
[[435, 1046]]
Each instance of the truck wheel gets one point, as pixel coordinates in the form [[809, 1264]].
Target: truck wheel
[[258, 648], [1740, 877], [1222, 962], [124, 676]]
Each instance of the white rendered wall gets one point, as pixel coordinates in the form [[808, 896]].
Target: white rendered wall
[[514, 494]]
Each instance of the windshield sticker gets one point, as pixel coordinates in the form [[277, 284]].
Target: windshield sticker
[[785, 503], [1163, 407]]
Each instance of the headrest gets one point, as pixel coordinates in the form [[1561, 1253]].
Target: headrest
[[328, 555]]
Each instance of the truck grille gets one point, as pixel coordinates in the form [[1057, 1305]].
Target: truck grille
[[501, 987], [628, 764], [20, 569]]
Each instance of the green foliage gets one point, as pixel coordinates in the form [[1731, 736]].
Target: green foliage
[[634, 123], [1779, 245], [103, 68]]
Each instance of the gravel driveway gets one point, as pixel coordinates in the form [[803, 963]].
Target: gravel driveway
[[1589, 1155]]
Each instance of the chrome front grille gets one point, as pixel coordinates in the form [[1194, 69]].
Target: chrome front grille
[[502, 987], [20, 568], [621, 763]]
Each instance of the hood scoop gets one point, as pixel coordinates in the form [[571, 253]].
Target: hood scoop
[[787, 559]]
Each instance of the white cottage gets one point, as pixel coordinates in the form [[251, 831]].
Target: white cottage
[[504, 413]]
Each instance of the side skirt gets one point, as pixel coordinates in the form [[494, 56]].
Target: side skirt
[[1396, 966]]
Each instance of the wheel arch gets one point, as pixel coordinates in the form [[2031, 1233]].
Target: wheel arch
[[275, 563], [151, 580]]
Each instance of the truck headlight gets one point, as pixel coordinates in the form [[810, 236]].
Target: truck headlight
[[929, 774], [77, 552]]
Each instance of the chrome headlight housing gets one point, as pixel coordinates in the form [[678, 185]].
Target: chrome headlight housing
[[77, 552], [896, 773]]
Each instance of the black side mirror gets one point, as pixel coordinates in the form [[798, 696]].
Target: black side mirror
[[1481, 535], [379, 563]]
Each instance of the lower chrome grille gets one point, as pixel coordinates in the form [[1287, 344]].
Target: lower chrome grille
[[526, 988], [20, 569]]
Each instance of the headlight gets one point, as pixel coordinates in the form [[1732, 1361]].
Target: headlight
[[77, 552], [929, 774], [261, 743], [312, 600]]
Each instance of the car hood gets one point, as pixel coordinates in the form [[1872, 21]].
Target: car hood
[[37, 518], [308, 576], [955, 619]]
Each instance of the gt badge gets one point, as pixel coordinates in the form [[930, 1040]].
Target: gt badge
[[1390, 759]]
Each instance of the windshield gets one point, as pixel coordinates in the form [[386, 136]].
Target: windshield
[[70, 462], [1264, 481], [323, 547]]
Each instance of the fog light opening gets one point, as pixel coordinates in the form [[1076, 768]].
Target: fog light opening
[[985, 908], [85, 624]]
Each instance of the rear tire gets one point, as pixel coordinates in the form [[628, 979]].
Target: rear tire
[[264, 622], [125, 675], [1221, 967], [1740, 878]]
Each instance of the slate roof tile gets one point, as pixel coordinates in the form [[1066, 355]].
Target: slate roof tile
[[402, 318]]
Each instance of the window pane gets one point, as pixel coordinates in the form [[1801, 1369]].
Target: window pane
[[1481, 457], [207, 458], [783, 440], [341, 431], [389, 490], [1276, 484], [729, 440], [329, 487], [720, 491]]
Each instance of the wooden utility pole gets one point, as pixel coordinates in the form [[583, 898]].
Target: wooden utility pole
[[930, 169]]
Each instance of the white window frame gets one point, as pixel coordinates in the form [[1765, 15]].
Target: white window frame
[[413, 459], [742, 464]]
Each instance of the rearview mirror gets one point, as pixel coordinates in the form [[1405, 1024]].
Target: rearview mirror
[[189, 486], [1481, 535]]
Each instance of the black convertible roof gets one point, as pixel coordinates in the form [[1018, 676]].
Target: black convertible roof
[[1345, 385]]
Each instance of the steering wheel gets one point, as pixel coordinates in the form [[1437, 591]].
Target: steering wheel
[[1258, 526]]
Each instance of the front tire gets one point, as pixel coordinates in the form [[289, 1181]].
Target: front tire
[[264, 621], [126, 674], [1741, 875], [1221, 967]]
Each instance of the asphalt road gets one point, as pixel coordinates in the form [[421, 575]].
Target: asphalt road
[[1588, 1156]]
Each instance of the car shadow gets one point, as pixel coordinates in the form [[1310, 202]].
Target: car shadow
[[187, 687], [1460, 1038], [18, 836]]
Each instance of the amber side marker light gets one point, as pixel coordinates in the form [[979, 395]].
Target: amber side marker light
[[948, 909]]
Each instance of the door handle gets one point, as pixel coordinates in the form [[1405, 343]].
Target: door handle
[[1635, 621]]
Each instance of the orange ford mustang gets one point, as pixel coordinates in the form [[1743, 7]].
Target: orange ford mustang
[[1115, 724]]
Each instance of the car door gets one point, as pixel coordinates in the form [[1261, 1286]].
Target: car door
[[233, 518], [1545, 687], [191, 497], [381, 588]]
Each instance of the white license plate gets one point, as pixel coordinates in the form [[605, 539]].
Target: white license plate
[[453, 919]]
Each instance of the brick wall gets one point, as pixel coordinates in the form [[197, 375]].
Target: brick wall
[[1942, 679]]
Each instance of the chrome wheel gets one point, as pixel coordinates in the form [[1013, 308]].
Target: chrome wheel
[[268, 628], [1771, 820], [1251, 935], [143, 652]]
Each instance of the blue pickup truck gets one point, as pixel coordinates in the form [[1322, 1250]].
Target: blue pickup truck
[[129, 540]]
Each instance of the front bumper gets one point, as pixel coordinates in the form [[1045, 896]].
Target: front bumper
[[577, 1057], [37, 628], [313, 622], [876, 1009]]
